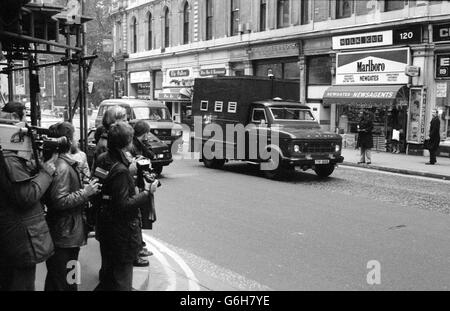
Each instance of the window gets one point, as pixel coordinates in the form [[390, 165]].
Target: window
[[134, 35], [204, 105], [259, 114], [282, 69], [319, 70], [263, 15], [119, 38], [343, 8], [282, 13], [166, 28], [186, 23], [295, 114], [232, 107], [392, 5], [209, 20], [218, 107], [149, 31], [235, 18], [305, 12]]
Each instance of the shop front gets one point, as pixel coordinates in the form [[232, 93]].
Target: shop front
[[388, 105], [140, 84]]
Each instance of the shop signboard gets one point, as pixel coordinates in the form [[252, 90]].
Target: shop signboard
[[143, 90], [140, 77], [179, 77], [213, 72], [408, 35], [416, 116], [443, 66], [286, 49], [373, 67], [441, 33], [364, 40], [441, 89]]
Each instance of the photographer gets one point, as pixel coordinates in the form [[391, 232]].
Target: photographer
[[141, 149], [118, 226], [66, 200], [24, 235]]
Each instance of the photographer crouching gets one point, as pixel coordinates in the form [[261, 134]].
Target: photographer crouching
[[66, 201], [118, 228], [24, 235]]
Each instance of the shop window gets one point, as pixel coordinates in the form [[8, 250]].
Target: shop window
[[343, 8], [393, 5], [319, 70], [235, 17], [282, 69], [209, 19], [263, 15], [186, 23], [218, 106], [282, 13], [204, 105], [232, 107]]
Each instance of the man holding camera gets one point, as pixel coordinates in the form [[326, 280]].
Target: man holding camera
[[66, 201], [24, 235], [118, 227]]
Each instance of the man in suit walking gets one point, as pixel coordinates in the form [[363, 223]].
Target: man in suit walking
[[434, 136]]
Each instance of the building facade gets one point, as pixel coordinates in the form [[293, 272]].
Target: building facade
[[391, 57]]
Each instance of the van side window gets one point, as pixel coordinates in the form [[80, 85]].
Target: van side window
[[258, 115], [204, 105], [232, 107], [218, 107]]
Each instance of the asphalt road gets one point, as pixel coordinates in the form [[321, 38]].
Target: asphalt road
[[238, 230]]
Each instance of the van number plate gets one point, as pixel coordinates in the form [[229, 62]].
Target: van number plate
[[322, 162]]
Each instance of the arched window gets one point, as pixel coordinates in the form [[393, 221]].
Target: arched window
[[134, 35], [166, 28], [235, 17], [282, 13], [149, 31], [209, 20], [262, 15], [186, 23]]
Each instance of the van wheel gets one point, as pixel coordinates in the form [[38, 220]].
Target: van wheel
[[158, 170], [274, 173], [325, 170], [214, 163]]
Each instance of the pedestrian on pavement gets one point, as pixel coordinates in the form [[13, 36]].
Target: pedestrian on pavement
[[66, 200], [118, 226], [365, 139], [141, 149], [24, 235], [112, 115], [434, 136]]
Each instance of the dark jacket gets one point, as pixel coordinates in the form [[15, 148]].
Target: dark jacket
[[435, 136], [365, 137], [118, 227], [24, 235], [101, 138], [66, 202]]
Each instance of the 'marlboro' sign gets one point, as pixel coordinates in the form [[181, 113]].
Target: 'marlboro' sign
[[373, 67]]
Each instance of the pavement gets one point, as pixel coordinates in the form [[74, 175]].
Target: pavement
[[160, 275], [401, 164]]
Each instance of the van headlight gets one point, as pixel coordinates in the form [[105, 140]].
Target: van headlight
[[337, 148], [177, 132], [296, 148]]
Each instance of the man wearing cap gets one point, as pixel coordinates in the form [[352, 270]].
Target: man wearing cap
[[434, 137]]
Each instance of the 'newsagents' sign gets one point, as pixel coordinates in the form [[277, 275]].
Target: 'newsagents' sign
[[373, 67]]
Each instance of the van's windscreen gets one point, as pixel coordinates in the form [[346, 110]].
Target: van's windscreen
[[154, 114], [292, 114]]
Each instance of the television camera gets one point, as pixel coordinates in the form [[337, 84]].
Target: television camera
[[145, 172]]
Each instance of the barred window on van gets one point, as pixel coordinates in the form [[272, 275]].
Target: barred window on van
[[204, 105], [218, 107], [232, 107]]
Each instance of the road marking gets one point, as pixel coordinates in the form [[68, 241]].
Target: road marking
[[394, 174], [172, 278], [193, 281]]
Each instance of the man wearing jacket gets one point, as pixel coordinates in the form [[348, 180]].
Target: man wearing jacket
[[24, 235], [434, 137]]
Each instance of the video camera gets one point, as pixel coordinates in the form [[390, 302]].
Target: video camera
[[145, 172]]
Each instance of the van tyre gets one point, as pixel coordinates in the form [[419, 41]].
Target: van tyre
[[214, 163], [325, 170]]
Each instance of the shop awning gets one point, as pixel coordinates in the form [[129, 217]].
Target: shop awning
[[174, 95], [365, 95]]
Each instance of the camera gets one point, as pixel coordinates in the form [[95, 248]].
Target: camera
[[145, 172], [43, 142]]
